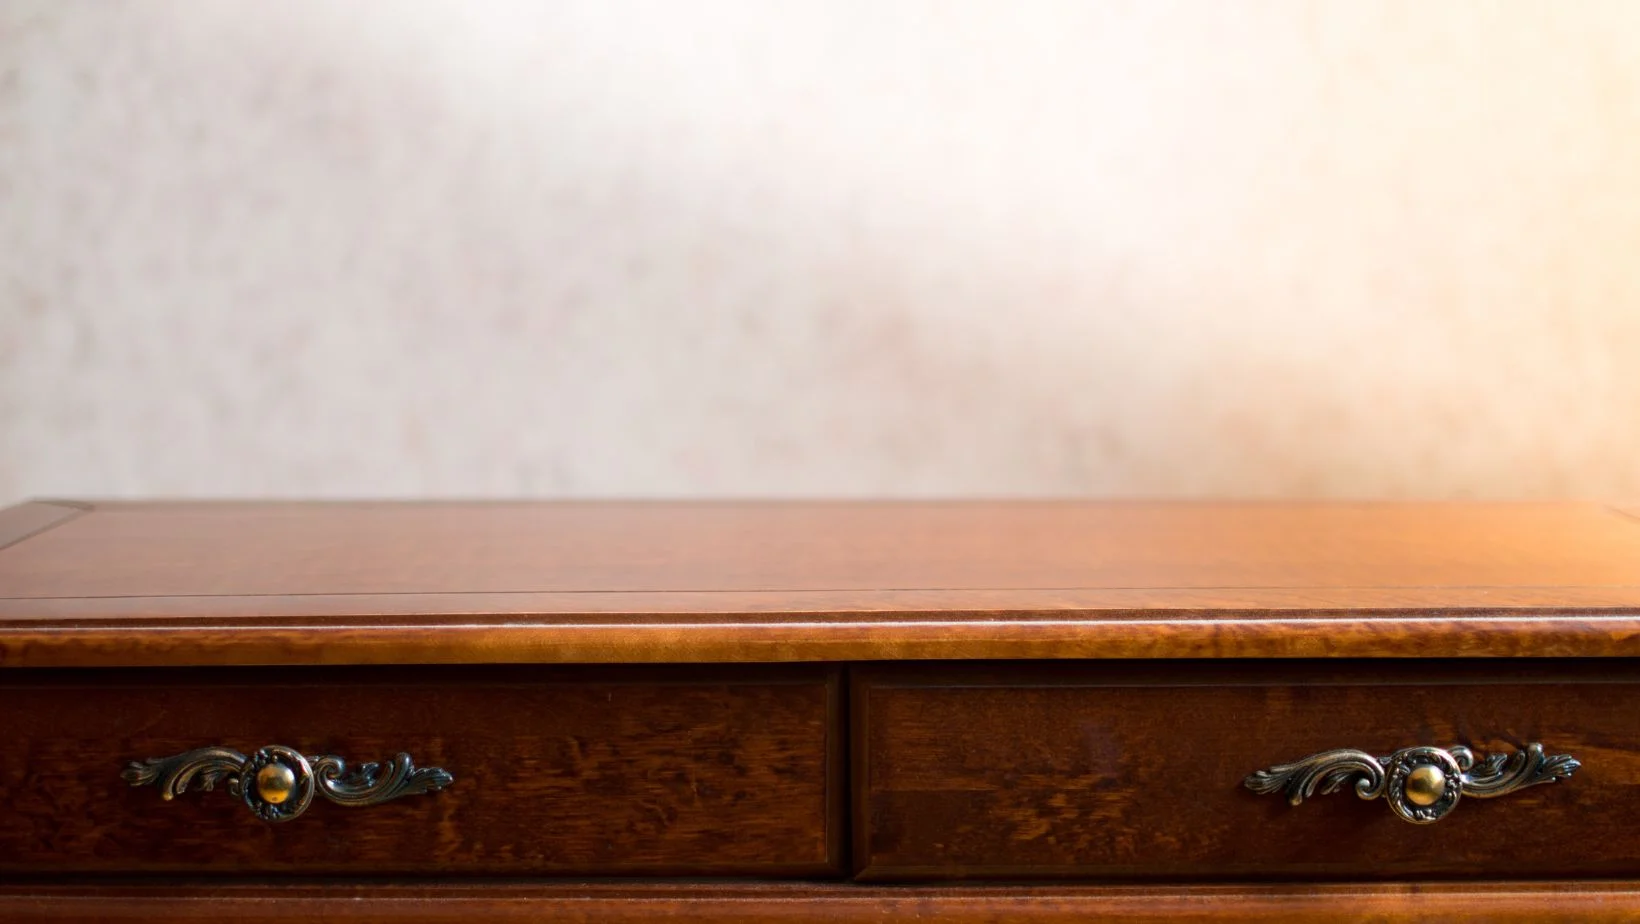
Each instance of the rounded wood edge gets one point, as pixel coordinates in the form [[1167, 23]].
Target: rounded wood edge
[[1445, 636], [1587, 901]]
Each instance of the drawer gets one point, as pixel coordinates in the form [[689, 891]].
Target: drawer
[[1136, 771], [721, 771]]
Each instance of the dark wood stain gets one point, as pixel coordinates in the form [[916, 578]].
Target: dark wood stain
[[1123, 771], [707, 771]]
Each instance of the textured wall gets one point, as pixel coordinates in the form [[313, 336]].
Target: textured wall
[[508, 248]]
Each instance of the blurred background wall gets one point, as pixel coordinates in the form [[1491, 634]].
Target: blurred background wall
[[1364, 249]]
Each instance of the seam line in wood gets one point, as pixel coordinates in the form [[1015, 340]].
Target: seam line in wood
[[69, 513]]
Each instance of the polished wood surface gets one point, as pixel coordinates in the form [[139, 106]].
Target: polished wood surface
[[267, 549], [25, 520], [1134, 771], [233, 583], [721, 771], [1500, 903]]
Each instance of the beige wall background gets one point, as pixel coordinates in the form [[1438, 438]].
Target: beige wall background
[[1364, 249]]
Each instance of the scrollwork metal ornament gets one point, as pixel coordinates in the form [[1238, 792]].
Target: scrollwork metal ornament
[[1421, 784], [278, 783]]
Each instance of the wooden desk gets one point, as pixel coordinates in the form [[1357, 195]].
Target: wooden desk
[[772, 711]]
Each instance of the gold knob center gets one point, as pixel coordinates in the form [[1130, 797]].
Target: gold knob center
[[275, 783], [1425, 785]]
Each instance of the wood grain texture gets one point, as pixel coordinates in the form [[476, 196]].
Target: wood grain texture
[[1503, 903], [257, 549], [177, 584], [1134, 771], [855, 631], [706, 771]]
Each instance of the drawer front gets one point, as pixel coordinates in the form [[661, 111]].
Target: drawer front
[[556, 771], [1133, 771]]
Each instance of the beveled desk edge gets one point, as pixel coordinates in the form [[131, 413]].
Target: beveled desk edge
[[582, 638]]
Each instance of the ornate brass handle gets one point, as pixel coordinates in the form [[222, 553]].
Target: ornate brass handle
[[1421, 784], [278, 783]]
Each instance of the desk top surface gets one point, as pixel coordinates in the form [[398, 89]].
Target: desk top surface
[[107, 584]]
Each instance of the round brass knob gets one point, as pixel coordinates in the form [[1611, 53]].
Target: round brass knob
[[1425, 785], [275, 783]]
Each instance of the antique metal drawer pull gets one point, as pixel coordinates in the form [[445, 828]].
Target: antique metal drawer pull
[[278, 783], [1421, 784]]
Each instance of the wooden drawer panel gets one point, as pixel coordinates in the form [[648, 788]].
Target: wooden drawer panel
[[558, 771], [1133, 771]]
